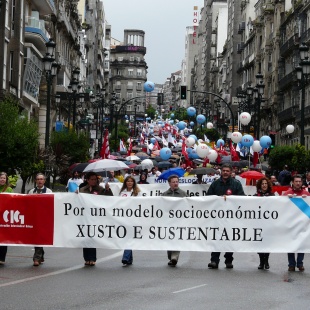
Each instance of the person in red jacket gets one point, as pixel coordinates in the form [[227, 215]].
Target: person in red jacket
[[296, 190]]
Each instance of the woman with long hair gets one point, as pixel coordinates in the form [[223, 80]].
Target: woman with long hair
[[4, 188], [263, 189], [129, 189]]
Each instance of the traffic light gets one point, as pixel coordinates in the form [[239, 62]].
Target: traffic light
[[160, 98], [183, 92]]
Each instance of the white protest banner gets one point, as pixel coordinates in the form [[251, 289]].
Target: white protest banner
[[206, 223]]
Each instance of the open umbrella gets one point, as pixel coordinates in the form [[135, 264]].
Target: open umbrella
[[133, 157], [80, 167], [252, 175], [203, 171], [106, 164], [142, 155], [133, 165], [172, 171], [164, 164], [147, 164]]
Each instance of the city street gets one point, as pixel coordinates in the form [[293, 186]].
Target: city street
[[63, 282]]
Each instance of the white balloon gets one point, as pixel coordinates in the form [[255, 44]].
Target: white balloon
[[212, 155], [244, 118], [200, 141], [256, 146], [202, 150], [290, 128], [190, 142], [179, 144], [209, 125], [236, 137]]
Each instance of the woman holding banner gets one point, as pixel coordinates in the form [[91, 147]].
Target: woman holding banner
[[263, 189], [4, 188], [129, 189], [92, 187]]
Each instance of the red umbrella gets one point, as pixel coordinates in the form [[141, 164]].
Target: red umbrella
[[252, 175]]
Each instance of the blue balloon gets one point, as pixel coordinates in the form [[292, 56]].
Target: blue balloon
[[247, 140], [189, 150], [265, 142], [171, 122], [193, 136], [126, 116], [149, 86], [165, 153], [181, 125], [171, 115], [200, 119], [191, 111], [220, 142], [153, 140], [192, 123], [193, 155]]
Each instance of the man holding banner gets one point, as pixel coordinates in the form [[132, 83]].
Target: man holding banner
[[225, 185], [38, 256], [174, 191], [296, 190]]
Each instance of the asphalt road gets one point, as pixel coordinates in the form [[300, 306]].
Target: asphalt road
[[63, 282]]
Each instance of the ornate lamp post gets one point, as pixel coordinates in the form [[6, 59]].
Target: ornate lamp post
[[50, 67], [303, 73], [258, 95]]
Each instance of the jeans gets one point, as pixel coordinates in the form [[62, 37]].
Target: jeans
[[215, 257], [3, 251], [38, 254], [292, 260], [90, 254], [127, 257]]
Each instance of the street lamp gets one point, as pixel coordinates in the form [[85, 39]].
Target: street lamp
[[57, 100], [75, 89], [135, 120], [50, 67], [303, 72], [258, 95]]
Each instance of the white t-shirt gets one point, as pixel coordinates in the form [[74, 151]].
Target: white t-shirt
[[126, 193]]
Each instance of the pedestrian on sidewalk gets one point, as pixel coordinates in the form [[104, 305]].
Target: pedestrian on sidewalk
[[40, 188], [4, 188]]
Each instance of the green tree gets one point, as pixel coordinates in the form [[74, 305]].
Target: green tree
[[19, 142], [150, 111], [296, 157]]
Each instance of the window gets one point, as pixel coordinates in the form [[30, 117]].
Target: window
[[129, 95], [120, 58], [13, 14], [11, 66], [139, 85], [139, 72], [4, 64], [130, 72], [138, 58], [131, 58], [118, 72]]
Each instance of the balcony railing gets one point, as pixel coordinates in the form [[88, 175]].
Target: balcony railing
[[34, 22], [286, 80], [286, 115], [288, 45]]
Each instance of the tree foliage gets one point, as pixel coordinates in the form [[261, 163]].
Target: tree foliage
[[296, 157], [19, 140]]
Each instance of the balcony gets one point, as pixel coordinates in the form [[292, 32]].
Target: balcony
[[286, 115], [268, 8], [64, 19], [45, 7], [286, 81], [289, 45], [305, 36], [36, 33], [306, 114]]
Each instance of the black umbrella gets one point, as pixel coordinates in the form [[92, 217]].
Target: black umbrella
[[80, 167], [203, 171], [164, 164]]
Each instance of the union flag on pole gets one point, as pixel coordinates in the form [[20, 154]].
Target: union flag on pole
[[105, 149]]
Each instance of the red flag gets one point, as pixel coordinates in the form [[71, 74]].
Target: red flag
[[205, 162], [156, 146], [255, 159], [105, 149], [233, 153], [129, 148], [184, 152]]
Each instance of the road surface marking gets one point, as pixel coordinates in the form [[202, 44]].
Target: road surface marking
[[101, 260], [188, 289]]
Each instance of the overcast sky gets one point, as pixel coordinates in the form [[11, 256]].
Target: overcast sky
[[164, 23]]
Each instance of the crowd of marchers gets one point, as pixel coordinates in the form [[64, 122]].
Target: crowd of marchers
[[224, 184]]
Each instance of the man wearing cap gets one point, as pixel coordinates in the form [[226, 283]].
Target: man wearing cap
[[224, 186]]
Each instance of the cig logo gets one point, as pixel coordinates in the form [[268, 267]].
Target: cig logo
[[13, 217]]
